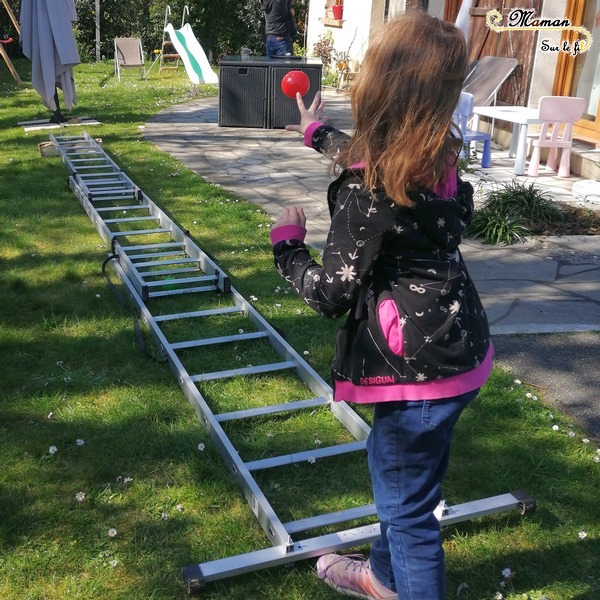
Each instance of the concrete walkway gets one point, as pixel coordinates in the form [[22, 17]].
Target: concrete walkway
[[548, 285]]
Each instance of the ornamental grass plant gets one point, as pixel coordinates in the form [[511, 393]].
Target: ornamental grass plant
[[512, 212], [109, 484]]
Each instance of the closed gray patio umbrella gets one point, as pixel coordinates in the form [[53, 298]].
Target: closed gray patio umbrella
[[49, 42]]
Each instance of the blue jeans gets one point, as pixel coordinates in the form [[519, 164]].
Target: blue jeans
[[408, 451], [282, 47]]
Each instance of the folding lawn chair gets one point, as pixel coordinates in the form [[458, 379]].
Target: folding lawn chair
[[129, 54]]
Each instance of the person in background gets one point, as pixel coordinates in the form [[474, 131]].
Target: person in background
[[416, 344], [280, 27]]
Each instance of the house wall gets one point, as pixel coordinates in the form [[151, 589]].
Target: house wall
[[544, 64], [363, 17], [353, 36]]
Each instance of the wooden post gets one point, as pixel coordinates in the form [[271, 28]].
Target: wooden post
[[9, 64], [98, 53], [12, 16], [7, 60]]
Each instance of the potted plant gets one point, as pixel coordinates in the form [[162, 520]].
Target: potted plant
[[338, 10]]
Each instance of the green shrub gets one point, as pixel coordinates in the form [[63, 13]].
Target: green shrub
[[498, 228], [510, 212]]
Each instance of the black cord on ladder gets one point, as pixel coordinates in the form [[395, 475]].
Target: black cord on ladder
[[137, 330]]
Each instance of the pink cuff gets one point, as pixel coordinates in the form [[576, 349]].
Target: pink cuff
[[308, 133], [287, 232]]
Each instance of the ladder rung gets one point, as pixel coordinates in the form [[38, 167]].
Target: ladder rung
[[180, 281], [87, 152], [341, 516], [98, 184], [288, 364], [81, 151], [238, 337], [92, 175], [139, 232], [131, 219], [114, 191], [150, 246], [270, 410], [180, 291], [297, 457], [113, 178], [161, 263], [168, 272], [154, 255], [104, 166], [83, 160], [114, 199], [199, 313], [115, 208]]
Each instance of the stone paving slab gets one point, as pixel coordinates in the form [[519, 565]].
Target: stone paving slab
[[272, 168], [545, 285]]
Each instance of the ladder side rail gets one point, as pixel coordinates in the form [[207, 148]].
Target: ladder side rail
[[196, 576], [264, 513], [88, 138], [107, 235], [206, 263]]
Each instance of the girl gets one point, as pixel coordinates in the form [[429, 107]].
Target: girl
[[416, 342]]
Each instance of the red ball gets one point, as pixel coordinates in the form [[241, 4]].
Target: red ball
[[295, 81]]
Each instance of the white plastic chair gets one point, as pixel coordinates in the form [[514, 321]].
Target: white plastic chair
[[129, 54], [558, 114], [462, 115]]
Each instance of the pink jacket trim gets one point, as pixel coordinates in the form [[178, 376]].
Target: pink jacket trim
[[428, 390], [308, 133], [287, 232], [389, 321], [448, 186]]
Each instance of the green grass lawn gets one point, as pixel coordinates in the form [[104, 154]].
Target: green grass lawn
[[128, 497]]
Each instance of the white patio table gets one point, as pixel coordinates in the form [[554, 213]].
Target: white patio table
[[521, 117]]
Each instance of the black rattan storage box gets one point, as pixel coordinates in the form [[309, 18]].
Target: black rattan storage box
[[243, 94], [250, 90], [284, 110]]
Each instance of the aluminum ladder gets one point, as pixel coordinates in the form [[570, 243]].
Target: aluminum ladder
[[155, 260]]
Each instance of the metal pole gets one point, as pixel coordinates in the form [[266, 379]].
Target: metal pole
[[98, 55]]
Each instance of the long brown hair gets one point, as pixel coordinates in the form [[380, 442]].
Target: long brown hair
[[403, 100]]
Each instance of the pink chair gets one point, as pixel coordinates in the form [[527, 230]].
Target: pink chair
[[558, 114], [462, 113]]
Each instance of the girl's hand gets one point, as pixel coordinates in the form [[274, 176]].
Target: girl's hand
[[291, 216], [309, 115]]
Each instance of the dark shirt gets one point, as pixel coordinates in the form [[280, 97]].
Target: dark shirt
[[278, 18]]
